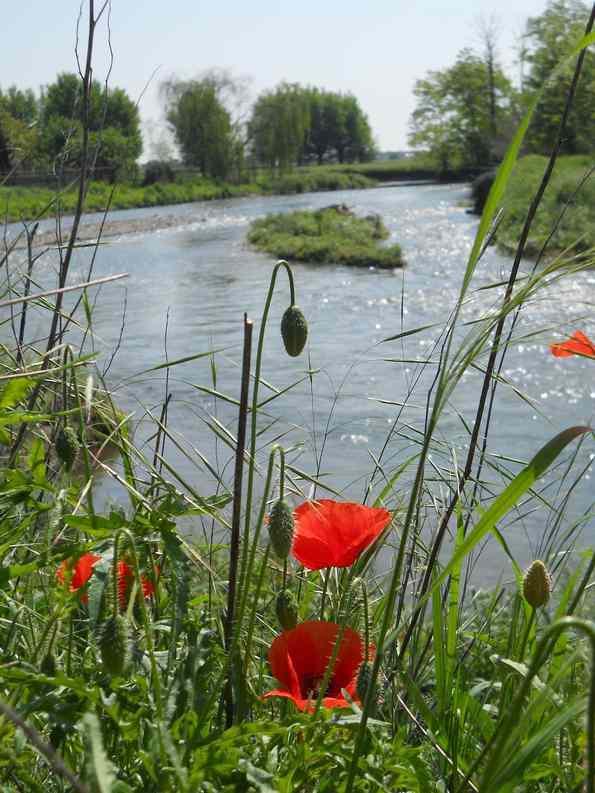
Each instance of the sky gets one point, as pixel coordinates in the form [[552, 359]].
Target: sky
[[375, 49]]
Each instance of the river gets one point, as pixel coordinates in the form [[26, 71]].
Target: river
[[199, 277]]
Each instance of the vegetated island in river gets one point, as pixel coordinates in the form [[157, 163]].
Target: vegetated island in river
[[333, 235]]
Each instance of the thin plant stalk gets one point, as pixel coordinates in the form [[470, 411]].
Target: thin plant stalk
[[234, 550]]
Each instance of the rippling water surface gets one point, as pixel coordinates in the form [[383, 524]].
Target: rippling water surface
[[199, 278]]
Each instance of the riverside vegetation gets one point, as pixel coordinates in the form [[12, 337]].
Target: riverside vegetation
[[333, 235], [272, 656]]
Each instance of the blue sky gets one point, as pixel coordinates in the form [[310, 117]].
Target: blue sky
[[376, 49]]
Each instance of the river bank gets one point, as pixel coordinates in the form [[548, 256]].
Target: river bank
[[27, 203]]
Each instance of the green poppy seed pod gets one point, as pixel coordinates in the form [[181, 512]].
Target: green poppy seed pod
[[114, 645], [287, 610], [67, 446], [294, 329], [364, 678], [48, 664], [281, 526], [537, 585]]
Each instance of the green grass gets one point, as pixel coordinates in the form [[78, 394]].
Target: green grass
[[26, 203], [326, 236], [576, 231]]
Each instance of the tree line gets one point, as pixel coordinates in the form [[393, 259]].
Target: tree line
[[290, 125], [45, 132], [287, 126], [465, 115]]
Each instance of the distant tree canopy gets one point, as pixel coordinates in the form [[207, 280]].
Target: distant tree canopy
[[465, 114], [113, 123], [549, 38], [18, 135], [45, 131], [462, 112], [294, 124], [202, 124]]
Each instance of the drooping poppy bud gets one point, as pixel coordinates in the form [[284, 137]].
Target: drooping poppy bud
[[287, 610], [281, 526], [114, 644], [537, 584], [294, 330], [67, 446]]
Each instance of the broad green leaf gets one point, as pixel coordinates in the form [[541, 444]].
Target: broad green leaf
[[14, 392]]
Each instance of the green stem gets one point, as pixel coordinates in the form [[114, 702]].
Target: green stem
[[254, 413]]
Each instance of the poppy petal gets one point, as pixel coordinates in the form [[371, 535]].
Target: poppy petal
[[83, 570], [332, 533], [299, 659], [577, 344]]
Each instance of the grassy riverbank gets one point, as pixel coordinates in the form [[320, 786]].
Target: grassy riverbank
[[28, 203], [333, 235], [575, 231]]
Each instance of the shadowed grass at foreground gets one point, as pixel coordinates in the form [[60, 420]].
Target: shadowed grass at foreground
[[333, 235]]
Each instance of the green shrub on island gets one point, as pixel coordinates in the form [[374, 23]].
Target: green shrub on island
[[333, 235]]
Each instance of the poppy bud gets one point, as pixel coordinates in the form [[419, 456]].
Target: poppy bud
[[114, 645], [48, 664], [537, 585], [286, 608], [281, 526], [364, 678], [294, 329], [67, 446]]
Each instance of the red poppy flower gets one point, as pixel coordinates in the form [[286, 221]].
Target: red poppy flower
[[577, 344], [334, 533], [125, 581], [299, 659], [79, 574]]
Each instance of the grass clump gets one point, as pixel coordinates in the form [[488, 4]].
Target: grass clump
[[576, 230], [333, 235]]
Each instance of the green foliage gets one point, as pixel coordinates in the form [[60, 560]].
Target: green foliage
[[113, 124], [32, 202], [548, 38], [575, 230], [203, 126], [332, 235], [453, 119], [293, 124]]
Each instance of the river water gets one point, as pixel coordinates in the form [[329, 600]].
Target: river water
[[198, 278]]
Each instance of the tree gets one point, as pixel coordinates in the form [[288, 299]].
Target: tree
[[201, 115], [18, 132], [292, 125], [279, 126], [548, 39], [113, 122], [461, 110]]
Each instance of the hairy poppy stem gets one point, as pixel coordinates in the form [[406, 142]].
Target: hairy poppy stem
[[254, 410], [234, 550]]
